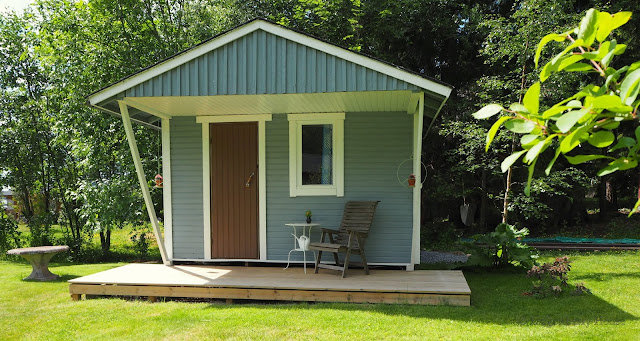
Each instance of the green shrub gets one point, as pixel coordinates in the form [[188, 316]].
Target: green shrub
[[9, 234], [552, 279], [500, 249]]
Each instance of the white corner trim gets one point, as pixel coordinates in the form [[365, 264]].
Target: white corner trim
[[417, 170], [206, 192], [262, 177], [234, 118], [262, 189], [293, 163], [166, 187], [413, 103], [277, 30], [296, 121], [135, 154]]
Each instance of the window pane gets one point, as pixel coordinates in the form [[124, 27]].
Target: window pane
[[317, 154]]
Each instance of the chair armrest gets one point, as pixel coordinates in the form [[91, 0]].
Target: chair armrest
[[332, 231], [361, 230]]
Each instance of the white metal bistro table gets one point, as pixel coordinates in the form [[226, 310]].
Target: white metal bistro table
[[301, 243]]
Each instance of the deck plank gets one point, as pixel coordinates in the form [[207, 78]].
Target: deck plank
[[382, 286]]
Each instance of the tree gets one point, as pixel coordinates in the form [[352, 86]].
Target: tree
[[591, 115]]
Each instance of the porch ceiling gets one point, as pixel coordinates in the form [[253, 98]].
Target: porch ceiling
[[368, 101]]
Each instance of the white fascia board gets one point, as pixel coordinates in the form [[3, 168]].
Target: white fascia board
[[300, 38]]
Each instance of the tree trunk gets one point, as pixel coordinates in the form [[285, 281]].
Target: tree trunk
[[483, 201], [105, 241]]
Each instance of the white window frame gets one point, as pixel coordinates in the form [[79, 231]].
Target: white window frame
[[296, 188]]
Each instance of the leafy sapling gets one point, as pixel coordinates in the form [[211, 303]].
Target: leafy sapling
[[590, 115]]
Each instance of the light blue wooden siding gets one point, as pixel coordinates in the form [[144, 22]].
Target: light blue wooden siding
[[262, 63], [186, 189], [375, 144]]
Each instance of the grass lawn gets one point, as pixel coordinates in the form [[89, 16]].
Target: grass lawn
[[33, 310]]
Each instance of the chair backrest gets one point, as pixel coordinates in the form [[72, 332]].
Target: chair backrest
[[358, 215]]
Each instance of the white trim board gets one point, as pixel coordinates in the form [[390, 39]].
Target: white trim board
[[417, 171], [166, 187], [262, 177], [277, 30]]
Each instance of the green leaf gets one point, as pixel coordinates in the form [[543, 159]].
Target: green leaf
[[547, 170], [579, 67], [634, 66], [622, 108], [588, 27], [609, 22], [544, 41], [533, 153], [607, 58], [555, 110], [569, 60], [547, 70], [578, 159], [629, 87], [610, 125], [568, 120], [620, 49], [624, 142], [618, 164], [493, 130], [601, 139], [635, 208], [637, 132], [574, 104], [488, 111], [575, 138], [614, 76], [520, 126], [603, 102], [517, 107], [510, 160], [531, 99], [525, 140], [527, 190]]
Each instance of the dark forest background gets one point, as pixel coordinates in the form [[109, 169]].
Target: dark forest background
[[69, 165]]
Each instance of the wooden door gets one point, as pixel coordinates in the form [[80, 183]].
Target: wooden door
[[234, 190]]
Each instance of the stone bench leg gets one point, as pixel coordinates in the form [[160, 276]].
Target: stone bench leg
[[40, 264]]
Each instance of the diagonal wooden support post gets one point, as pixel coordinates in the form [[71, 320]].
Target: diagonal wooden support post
[[126, 120]]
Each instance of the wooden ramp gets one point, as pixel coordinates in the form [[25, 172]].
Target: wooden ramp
[[429, 287]]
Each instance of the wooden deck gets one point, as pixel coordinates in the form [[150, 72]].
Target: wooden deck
[[428, 287]]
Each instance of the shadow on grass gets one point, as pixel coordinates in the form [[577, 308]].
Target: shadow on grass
[[604, 276], [496, 299]]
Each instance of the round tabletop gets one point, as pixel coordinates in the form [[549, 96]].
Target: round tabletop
[[302, 224], [38, 250]]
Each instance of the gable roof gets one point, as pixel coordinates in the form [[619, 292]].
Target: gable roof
[[127, 85]]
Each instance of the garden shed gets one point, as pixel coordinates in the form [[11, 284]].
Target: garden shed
[[263, 123]]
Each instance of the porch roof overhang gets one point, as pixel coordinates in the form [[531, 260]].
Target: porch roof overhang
[[149, 109], [276, 70]]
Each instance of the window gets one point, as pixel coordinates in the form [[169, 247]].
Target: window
[[316, 146]]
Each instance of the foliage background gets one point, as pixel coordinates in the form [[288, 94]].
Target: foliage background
[[63, 158]]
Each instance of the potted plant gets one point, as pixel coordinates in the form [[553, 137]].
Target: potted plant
[[308, 215]]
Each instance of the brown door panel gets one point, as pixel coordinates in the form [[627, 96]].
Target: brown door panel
[[234, 190]]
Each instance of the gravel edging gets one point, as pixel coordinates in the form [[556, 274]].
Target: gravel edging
[[433, 257]]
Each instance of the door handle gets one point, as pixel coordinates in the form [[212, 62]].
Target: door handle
[[248, 184]]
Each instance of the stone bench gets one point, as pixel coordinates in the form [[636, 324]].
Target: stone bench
[[39, 258]]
